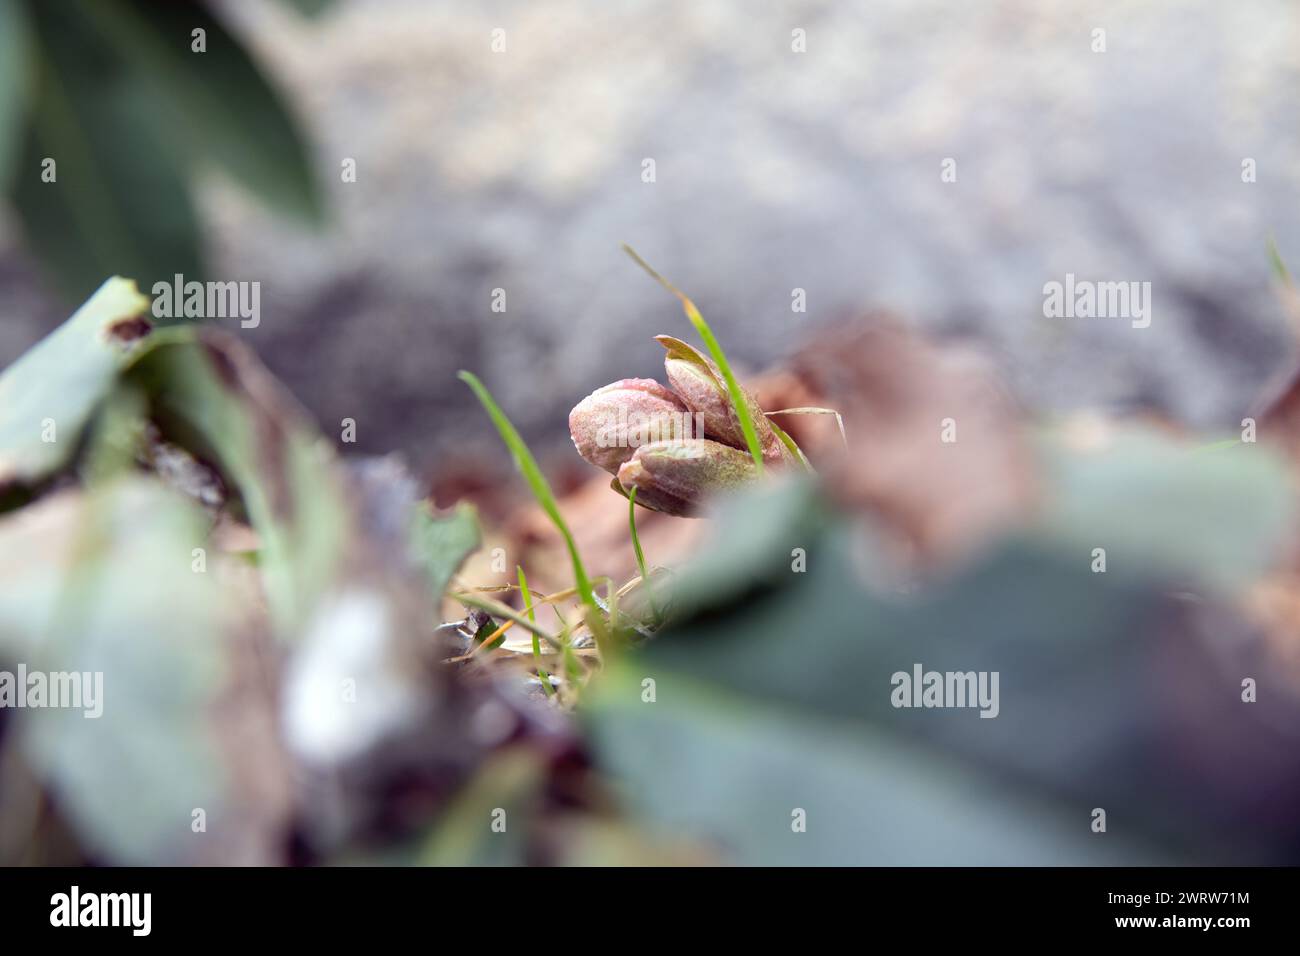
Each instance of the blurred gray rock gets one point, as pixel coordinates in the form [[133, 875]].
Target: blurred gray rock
[[775, 170]]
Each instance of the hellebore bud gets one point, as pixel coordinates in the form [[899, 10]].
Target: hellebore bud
[[612, 422], [676, 476], [700, 384]]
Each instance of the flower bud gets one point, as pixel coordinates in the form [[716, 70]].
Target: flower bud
[[676, 476], [700, 384], [612, 422]]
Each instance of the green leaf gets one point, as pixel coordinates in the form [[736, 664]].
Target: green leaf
[[120, 203], [15, 43], [488, 628], [72, 570], [63, 380], [217, 105], [508, 786], [781, 696], [309, 8], [442, 542], [1158, 506], [730, 772], [211, 395], [752, 554]]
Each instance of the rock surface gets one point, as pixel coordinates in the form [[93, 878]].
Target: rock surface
[[774, 171]]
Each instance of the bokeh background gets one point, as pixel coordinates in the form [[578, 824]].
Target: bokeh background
[[521, 170], [1162, 691]]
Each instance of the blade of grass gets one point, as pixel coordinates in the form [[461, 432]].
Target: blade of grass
[[719, 357], [528, 467], [601, 622], [1275, 259], [537, 647], [791, 444], [611, 599], [640, 555], [1289, 294], [501, 610], [572, 669], [814, 410], [508, 624]]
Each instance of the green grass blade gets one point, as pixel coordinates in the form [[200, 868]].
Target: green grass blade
[[636, 542], [537, 646], [528, 467], [498, 609], [572, 669], [1279, 266], [733, 387], [640, 555], [791, 444], [719, 357]]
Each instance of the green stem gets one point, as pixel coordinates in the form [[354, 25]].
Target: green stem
[[537, 647]]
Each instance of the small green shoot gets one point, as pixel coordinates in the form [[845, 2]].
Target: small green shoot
[[537, 647], [640, 555], [791, 444], [719, 357], [572, 668], [1290, 295], [1279, 267], [528, 467]]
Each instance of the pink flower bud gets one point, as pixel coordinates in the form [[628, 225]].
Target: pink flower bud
[[676, 476], [700, 384], [612, 422]]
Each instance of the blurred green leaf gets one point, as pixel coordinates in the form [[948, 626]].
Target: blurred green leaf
[[731, 773], [1218, 514], [217, 105], [120, 202], [72, 600], [14, 69], [211, 395], [488, 628], [129, 114], [509, 788], [442, 542], [62, 379], [780, 698], [309, 8], [745, 556], [106, 575], [1275, 260]]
